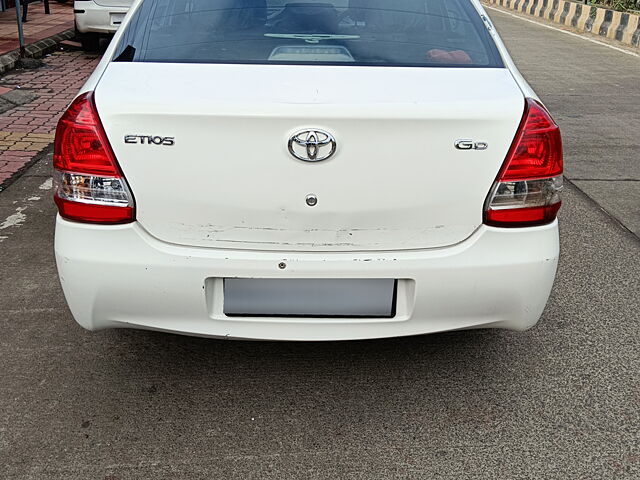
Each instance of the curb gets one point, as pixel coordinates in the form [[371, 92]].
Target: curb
[[43, 153], [611, 24], [37, 49]]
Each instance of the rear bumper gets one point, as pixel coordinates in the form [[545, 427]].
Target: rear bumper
[[96, 18], [121, 277]]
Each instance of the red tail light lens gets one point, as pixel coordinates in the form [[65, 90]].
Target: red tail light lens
[[89, 186], [527, 190]]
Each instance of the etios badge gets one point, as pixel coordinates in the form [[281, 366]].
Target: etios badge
[[312, 145]]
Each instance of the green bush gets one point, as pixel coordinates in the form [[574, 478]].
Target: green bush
[[618, 4]]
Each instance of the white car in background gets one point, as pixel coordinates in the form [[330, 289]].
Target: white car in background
[[95, 18], [350, 169]]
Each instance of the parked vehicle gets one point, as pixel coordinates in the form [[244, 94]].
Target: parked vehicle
[[95, 18], [351, 169]]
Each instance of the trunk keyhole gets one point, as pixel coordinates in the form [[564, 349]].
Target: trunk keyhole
[[312, 200]]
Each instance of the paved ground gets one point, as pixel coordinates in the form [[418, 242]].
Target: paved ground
[[31, 101], [38, 26], [558, 402]]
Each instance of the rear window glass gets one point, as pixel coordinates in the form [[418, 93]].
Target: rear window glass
[[337, 32]]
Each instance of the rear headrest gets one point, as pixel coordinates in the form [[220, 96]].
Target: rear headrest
[[307, 17], [399, 15], [231, 14]]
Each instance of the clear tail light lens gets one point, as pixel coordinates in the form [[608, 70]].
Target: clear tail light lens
[[525, 203], [89, 186], [527, 190], [91, 198]]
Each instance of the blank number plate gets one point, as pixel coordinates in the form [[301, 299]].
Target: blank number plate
[[315, 298]]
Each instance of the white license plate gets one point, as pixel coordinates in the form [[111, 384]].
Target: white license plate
[[315, 298]]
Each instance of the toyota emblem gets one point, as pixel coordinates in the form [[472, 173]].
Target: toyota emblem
[[312, 145]]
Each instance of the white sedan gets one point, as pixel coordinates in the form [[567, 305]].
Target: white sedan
[[94, 18], [352, 169]]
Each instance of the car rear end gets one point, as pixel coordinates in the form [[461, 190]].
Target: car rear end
[[307, 171], [100, 16]]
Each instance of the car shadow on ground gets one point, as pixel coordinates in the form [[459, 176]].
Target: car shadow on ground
[[363, 369]]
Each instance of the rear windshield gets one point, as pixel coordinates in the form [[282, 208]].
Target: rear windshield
[[337, 32]]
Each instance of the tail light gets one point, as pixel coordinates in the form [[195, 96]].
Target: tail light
[[527, 190], [89, 186]]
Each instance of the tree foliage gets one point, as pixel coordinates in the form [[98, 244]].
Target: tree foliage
[[618, 4]]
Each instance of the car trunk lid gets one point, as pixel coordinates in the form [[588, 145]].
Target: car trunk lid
[[218, 173]]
